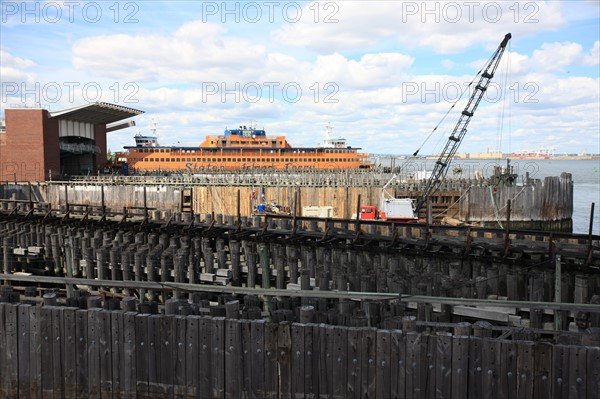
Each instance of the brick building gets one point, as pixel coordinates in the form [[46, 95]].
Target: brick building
[[38, 145]]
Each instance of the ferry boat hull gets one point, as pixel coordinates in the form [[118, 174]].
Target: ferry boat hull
[[245, 149]]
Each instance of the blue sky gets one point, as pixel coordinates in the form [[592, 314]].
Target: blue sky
[[383, 73]]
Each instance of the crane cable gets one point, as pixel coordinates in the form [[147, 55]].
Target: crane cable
[[452, 107], [502, 110]]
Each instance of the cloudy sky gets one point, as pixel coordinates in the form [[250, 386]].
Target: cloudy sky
[[383, 73]]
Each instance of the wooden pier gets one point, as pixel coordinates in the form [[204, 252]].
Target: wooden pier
[[536, 204], [143, 301], [115, 352]]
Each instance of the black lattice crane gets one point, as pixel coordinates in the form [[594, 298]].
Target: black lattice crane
[[460, 129]]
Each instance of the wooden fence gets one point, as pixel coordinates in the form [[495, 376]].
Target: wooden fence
[[68, 352]]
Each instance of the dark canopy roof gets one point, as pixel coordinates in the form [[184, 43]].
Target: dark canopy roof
[[97, 113]]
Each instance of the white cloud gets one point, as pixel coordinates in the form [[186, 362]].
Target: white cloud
[[196, 52], [417, 24]]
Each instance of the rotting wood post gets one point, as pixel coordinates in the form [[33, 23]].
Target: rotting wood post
[[536, 318], [590, 233], [307, 314], [152, 260], [482, 329], [507, 229], [462, 329], [581, 292], [69, 263], [207, 254], [221, 254], [250, 255], [292, 258], [279, 260], [234, 250], [492, 280], [557, 291], [409, 324], [263, 251], [138, 267], [232, 309], [129, 304], [50, 299]]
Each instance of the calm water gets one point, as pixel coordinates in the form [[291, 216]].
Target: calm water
[[586, 180]]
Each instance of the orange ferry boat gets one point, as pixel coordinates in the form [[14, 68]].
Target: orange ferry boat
[[245, 148]]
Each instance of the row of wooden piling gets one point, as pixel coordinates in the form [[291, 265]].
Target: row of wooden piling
[[215, 257], [69, 352]]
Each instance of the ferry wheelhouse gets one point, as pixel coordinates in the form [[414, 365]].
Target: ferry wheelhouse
[[244, 148]]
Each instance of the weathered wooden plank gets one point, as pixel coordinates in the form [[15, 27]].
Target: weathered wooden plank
[[218, 356], [507, 381], [24, 348], [398, 364], [69, 340], [368, 359], [142, 352], [310, 388], [129, 356], [413, 367], [233, 359], [475, 367], [105, 353], [257, 331], [191, 345], [180, 353], [116, 351], [284, 359], [428, 362], [4, 384], [318, 358], [542, 378], [577, 372], [35, 354], [58, 355], [167, 362], [81, 343], [354, 363], [460, 366], [593, 372], [443, 377], [340, 361], [205, 356], [246, 354], [47, 349], [524, 369], [297, 361], [324, 367], [491, 364], [93, 352], [154, 357], [9, 356], [383, 372], [270, 363]]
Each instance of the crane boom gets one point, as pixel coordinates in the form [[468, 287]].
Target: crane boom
[[461, 126]]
